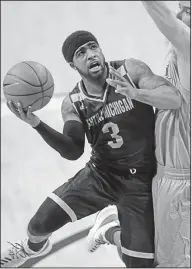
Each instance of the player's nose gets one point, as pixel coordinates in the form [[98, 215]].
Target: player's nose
[[90, 54]]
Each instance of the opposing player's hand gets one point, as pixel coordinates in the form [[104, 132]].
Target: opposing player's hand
[[121, 84], [27, 117]]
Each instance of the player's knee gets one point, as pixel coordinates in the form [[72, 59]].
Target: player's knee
[[49, 218], [38, 224], [133, 262]]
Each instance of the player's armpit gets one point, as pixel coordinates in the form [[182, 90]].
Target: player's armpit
[[172, 28], [152, 89]]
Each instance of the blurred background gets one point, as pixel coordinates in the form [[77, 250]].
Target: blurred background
[[35, 31]]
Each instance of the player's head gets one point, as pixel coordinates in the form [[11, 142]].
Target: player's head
[[81, 50], [184, 12]]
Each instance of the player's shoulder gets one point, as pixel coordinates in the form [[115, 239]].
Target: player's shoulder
[[117, 64], [130, 64], [75, 89], [135, 63], [137, 67], [67, 103]]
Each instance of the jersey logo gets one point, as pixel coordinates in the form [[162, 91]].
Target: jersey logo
[[110, 110]]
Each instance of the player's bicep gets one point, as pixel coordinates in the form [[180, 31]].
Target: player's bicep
[[68, 111], [146, 79], [150, 81], [179, 35], [183, 40], [142, 76]]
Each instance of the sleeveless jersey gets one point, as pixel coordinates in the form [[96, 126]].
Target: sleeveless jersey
[[119, 130], [173, 126]]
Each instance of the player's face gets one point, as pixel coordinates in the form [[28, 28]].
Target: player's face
[[89, 61], [184, 12]]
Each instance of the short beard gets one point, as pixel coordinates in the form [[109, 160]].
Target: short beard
[[90, 77]]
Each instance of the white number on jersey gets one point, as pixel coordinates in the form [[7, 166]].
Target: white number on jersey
[[115, 130]]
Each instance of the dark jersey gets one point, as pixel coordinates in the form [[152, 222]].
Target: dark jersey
[[119, 130]]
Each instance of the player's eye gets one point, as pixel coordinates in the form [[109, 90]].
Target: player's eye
[[80, 53], [94, 46]]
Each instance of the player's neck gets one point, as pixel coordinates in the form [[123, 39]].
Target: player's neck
[[96, 87]]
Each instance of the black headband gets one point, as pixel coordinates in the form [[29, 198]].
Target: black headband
[[74, 41]]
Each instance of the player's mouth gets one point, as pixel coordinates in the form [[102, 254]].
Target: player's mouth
[[95, 66]]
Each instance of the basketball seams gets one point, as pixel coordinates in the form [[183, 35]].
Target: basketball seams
[[23, 77], [29, 93], [39, 81], [47, 76], [41, 84], [37, 101], [16, 76]]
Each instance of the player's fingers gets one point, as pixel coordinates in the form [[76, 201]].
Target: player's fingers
[[124, 91], [116, 83], [29, 112], [12, 108], [111, 82], [117, 74], [7, 103], [21, 112]]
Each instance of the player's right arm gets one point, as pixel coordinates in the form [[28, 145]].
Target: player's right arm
[[173, 29], [70, 143]]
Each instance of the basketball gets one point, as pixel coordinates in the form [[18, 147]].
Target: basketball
[[29, 83]]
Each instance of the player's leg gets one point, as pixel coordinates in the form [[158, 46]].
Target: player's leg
[[135, 210], [48, 218], [137, 223], [171, 195], [106, 229], [81, 196]]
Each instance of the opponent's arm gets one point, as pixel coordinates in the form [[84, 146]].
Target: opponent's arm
[[70, 143], [173, 29], [152, 89]]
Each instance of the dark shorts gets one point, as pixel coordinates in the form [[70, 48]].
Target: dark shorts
[[90, 190]]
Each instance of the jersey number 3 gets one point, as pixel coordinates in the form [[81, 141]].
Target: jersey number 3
[[113, 129]]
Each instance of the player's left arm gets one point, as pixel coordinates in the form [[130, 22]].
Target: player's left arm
[[173, 29], [151, 89]]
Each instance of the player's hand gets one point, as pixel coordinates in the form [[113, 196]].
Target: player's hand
[[121, 84], [27, 117]]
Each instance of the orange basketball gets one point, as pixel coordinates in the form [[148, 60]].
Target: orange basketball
[[30, 83]]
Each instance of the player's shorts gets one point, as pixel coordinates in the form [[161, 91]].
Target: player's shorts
[[90, 190], [171, 199]]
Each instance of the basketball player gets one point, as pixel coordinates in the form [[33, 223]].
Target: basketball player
[[120, 131], [171, 185]]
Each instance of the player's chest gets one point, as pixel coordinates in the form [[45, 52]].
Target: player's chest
[[115, 107]]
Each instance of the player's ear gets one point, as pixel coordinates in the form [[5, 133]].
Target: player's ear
[[72, 65]]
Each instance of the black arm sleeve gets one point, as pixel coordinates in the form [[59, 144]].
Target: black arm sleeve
[[70, 144]]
